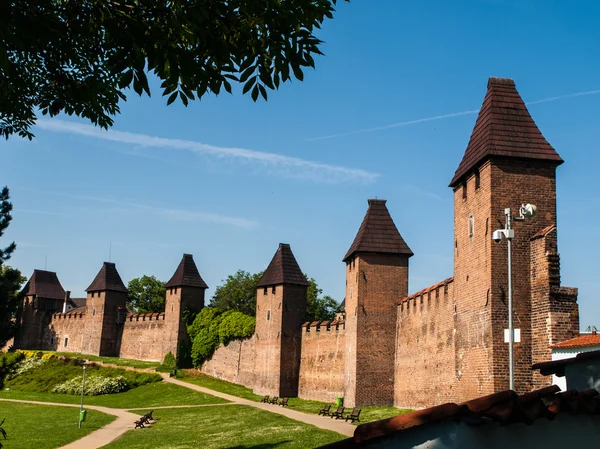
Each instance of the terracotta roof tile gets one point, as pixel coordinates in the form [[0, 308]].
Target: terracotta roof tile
[[504, 128], [505, 408], [580, 342], [44, 284], [187, 274], [543, 232], [107, 279], [283, 269], [378, 233]]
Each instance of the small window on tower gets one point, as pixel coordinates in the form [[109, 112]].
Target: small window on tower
[[273, 290], [265, 291], [464, 190], [471, 226], [94, 312], [66, 341], [268, 314], [477, 180]]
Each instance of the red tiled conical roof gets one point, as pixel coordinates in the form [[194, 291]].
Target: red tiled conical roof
[[283, 269], [44, 284], [187, 274], [107, 279], [504, 128], [378, 233]]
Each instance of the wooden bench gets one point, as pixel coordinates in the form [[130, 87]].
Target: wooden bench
[[338, 414], [265, 399], [354, 416], [274, 400], [284, 402], [325, 410]]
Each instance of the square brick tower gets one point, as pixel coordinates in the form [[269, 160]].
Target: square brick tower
[[280, 312], [508, 162], [376, 279], [185, 291], [43, 295], [106, 295]]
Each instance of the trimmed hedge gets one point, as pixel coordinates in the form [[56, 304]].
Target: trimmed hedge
[[212, 328]]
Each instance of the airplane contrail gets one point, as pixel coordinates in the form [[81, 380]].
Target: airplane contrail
[[444, 116]]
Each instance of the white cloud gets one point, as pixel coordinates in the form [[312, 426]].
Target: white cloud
[[444, 116], [175, 214], [291, 167], [43, 212]]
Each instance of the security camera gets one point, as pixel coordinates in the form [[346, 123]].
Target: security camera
[[497, 236]]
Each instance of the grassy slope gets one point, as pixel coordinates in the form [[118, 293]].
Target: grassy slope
[[114, 360], [229, 426], [151, 395], [368, 413], [44, 427]]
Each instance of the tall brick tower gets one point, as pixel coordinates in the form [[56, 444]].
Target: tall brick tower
[[106, 295], [185, 291], [280, 312], [376, 279], [508, 162], [42, 295]]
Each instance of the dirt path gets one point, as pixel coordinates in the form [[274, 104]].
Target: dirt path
[[101, 437], [125, 419], [321, 422]]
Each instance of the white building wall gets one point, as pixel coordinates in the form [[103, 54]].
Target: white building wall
[[567, 353]]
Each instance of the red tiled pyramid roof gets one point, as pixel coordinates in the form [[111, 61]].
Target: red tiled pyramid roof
[[107, 279], [378, 233], [283, 269], [187, 274], [44, 284], [504, 128]]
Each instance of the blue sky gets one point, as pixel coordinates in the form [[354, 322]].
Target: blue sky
[[227, 179]]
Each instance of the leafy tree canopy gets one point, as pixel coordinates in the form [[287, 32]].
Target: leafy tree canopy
[[77, 57], [10, 278], [238, 292], [146, 295]]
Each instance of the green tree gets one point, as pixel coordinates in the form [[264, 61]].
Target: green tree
[[146, 295], [319, 308], [78, 57], [238, 292], [10, 278]]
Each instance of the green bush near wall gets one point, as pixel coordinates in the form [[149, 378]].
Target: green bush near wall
[[212, 328]]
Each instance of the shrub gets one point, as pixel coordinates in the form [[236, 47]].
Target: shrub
[[236, 325], [8, 362], [25, 365], [210, 328], [54, 371], [169, 363], [94, 385]]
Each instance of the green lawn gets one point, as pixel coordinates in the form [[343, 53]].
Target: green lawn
[[151, 395], [45, 427], [367, 414], [114, 360], [228, 426]]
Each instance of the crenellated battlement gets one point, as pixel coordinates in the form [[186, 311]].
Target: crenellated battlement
[[68, 316], [157, 316], [436, 291], [326, 326]]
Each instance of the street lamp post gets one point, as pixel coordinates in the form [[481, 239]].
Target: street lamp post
[[82, 390], [525, 211]]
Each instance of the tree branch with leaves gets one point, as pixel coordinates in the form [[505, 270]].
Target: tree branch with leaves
[[79, 57]]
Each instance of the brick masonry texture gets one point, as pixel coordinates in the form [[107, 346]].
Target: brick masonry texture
[[442, 344]]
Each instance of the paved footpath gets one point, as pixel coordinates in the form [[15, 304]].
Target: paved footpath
[[125, 419]]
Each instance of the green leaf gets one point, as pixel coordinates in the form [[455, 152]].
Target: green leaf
[[263, 91], [172, 98], [184, 99], [255, 93], [249, 85], [298, 72]]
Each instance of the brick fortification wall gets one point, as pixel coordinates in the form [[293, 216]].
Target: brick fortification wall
[[425, 365], [233, 362], [322, 363], [66, 333], [143, 337]]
